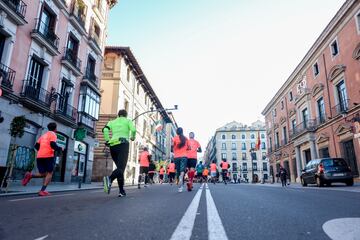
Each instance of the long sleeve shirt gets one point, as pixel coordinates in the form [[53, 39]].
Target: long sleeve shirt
[[121, 128]]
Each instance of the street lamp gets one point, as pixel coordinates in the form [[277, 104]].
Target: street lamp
[[156, 110]]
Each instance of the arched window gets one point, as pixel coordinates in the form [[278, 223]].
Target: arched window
[[223, 136], [233, 136]]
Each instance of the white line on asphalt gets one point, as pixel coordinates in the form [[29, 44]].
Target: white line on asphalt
[[343, 228], [184, 230], [215, 227], [31, 198], [42, 238]]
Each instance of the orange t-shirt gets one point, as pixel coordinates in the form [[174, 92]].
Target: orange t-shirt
[[193, 147], [46, 150], [205, 172], [162, 171], [171, 168], [225, 166], [180, 152], [144, 159], [213, 167]]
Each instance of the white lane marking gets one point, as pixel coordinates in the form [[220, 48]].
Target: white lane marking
[[184, 230], [42, 238], [343, 229], [32, 198], [215, 227]]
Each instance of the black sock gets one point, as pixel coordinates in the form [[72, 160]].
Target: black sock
[[43, 188]]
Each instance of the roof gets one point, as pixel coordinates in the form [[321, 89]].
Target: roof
[[140, 76]]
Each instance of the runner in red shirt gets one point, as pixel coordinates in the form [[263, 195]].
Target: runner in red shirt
[[224, 170], [45, 160], [213, 169], [194, 148], [161, 174], [180, 146], [144, 160], [171, 171]]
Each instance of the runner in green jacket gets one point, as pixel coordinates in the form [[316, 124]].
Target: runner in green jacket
[[121, 129]]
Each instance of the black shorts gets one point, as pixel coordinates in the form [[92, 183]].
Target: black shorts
[[191, 163], [45, 165], [172, 175], [199, 175], [161, 176], [144, 170]]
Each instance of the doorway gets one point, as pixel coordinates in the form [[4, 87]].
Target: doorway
[[307, 155], [350, 157]]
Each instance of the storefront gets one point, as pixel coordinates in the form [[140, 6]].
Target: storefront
[[60, 166], [79, 161]]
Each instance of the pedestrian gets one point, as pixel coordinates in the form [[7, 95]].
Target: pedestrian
[[283, 176], [161, 174], [171, 171], [45, 160], [206, 174], [224, 170], [152, 169], [194, 148], [144, 160], [199, 171], [122, 129], [180, 146], [213, 171]]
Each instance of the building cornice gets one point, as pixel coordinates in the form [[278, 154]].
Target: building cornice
[[314, 48]]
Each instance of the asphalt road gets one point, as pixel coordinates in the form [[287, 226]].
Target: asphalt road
[[241, 211]]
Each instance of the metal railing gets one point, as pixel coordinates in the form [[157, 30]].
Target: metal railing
[[341, 108], [17, 6], [305, 126], [71, 56], [7, 76], [46, 32], [94, 37], [90, 76], [65, 109], [79, 14], [37, 94]]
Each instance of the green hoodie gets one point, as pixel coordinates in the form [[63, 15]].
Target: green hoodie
[[120, 127]]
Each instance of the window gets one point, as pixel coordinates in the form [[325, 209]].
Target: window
[[90, 68], [293, 125], [277, 141], [262, 136], [234, 157], [255, 166], [282, 105], [244, 167], [46, 24], [334, 48], [263, 146], [253, 156], [136, 120], [305, 116], [284, 133], [252, 145], [72, 50], [126, 105], [144, 127], [223, 137], [358, 21], [342, 96], [233, 136], [89, 105], [263, 155], [274, 112], [270, 143], [223, 156], [234, 167], [35, 74], [316, 69], [223, 146], [321, 110], [265, 168], [243, 136], [290, 96], [252, 136], [233, 146], [243, 146], [243, 157]]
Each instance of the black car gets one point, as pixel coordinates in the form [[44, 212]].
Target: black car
[[326, 171]]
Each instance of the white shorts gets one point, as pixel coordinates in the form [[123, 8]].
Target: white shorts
[[213, 174]]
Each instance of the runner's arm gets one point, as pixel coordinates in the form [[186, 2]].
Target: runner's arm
[[106, 131], [132, 130]]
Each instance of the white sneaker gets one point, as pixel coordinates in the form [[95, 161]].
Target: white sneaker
[[145, 185], [180, 189]]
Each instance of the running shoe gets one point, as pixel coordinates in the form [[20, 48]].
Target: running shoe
[[26, 179], [43, 193], [146, 185], [180, 189], [139, 186], [122, 193], [107, 185]]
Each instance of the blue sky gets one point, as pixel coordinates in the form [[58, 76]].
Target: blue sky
[[219, 60]]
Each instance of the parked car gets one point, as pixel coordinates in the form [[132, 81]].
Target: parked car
[[326, 171]]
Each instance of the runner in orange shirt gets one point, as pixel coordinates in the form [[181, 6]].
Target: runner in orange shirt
[[171, 171], [180, 146], [45, 160], [213, 169], [144, 160], [161, 175], [206, 174], [194, 148], [224, 170]]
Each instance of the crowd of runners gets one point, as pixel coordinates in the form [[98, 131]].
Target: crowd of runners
[[183, 170]]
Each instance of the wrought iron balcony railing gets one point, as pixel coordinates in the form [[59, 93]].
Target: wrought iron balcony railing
[[65, 109], [71, 56], [36, 94], [17, 6], [7, 76], [90, 76], [46, 32], [305, 126], [342, 107]]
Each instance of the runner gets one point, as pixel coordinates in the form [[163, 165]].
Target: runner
[[144, 160], [205, 174], [161, 174], [194, 148], [121, 128], [152, 170], [171, 171], [213, 170], [199, 171], [180, 146], [224, 167], [45, 160]]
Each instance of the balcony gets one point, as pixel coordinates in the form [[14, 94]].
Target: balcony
[[65, 113], [342, 108], [60, 3], [91, 79], [15, 9], [45, 36], [306, 126], [35, 98], [7, 76], [71, 61], [77, 16], [86, 121], [94, 42]]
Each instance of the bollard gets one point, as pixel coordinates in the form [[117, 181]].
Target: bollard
[[80, 179]]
